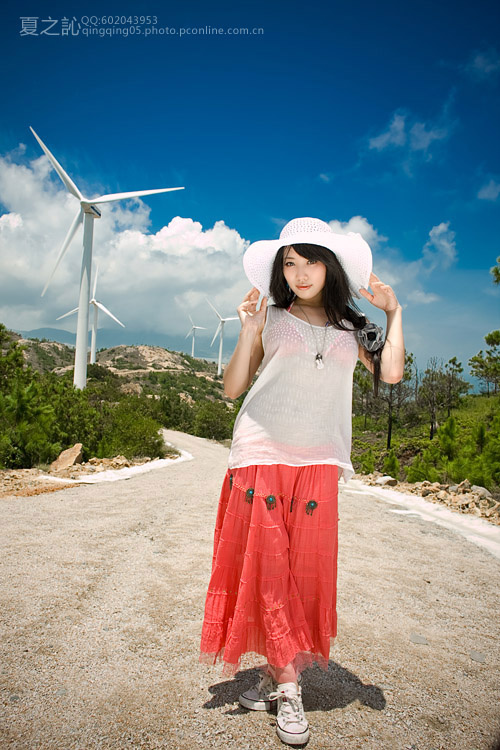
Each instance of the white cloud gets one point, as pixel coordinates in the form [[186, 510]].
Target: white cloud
[[440, 249], [413, 139], [143, 278], [483, 65], [490, 191], [422, 298], [152, 281], [421, 137], [395, 135], [362, 226]]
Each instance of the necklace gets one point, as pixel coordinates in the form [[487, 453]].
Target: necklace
[[318, 359]]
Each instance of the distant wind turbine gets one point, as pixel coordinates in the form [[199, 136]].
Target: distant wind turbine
[[220, 328], [87, 213], [193, 331], [97, 306]]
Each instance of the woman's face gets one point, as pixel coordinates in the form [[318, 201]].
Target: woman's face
[[306, 278]]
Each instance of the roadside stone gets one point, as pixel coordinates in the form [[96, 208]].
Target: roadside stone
[[416, 638], [443, 496], [386, 480], [67, 458], [482, 491], [477, 656]]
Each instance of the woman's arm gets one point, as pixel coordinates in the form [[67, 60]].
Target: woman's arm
[[392, 361], [249, 351]]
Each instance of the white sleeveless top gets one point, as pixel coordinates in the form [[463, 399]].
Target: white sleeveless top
[[295, 414]]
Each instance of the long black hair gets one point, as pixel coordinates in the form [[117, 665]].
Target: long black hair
[[337, 296]]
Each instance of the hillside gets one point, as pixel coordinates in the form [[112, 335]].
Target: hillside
[[142, 368]]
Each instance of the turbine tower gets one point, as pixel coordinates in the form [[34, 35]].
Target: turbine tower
[[97, 306], [193, 331], [88, 211], [220, 328]]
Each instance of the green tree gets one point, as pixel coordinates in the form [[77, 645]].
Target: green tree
[[495, 272], [213, 420], [486, 366], [432, 392], [454, 385], [367, 461], [129, 433], [11, 361], [391, 465], [26, 426], [447, 437]]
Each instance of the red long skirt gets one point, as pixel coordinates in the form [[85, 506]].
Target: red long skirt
[[273, 588]]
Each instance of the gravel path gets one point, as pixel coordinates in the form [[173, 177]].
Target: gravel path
[[101, 602]]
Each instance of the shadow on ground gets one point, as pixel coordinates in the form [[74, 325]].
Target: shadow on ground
[[322, 691]]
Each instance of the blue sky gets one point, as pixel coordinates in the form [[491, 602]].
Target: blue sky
[[380, 118]]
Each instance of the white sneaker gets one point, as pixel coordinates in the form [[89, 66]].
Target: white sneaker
[[291, 724], [257, 698]]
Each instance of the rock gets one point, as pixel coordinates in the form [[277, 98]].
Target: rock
[[68, 458], [453, 488], [386, 480], [461, 501], [416, 638], [478, 490], [443, 496], [131, 389], [477, 656], [464, 486], [120, 461]]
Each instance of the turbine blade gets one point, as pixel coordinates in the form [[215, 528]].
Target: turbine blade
[[70, 185], [71, 233], [71, 312], [202, 328], [188, 333], [136, 194], [213, 308], [95, 281], [215, 334], [110, 314], [192, 321], [226, 319]]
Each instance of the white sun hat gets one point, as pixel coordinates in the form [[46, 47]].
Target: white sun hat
[[352, 251]]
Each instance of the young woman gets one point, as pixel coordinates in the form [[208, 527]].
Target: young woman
[[274, 571]]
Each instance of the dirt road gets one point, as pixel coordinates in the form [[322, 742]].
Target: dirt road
[[101, 602]]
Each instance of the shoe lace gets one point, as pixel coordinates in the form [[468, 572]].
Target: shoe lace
[[290, 708]]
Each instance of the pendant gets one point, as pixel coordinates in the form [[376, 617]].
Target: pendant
[[271, 502], [311, 505], [319, 361]]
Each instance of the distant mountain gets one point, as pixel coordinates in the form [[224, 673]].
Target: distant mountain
[[107, 338]]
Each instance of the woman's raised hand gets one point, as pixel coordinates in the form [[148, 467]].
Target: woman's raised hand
[[383, 295], [248, 314]]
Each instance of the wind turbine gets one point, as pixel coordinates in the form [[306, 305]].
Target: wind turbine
[[97, 306], [220, 328], [193, 331], [87, 213]]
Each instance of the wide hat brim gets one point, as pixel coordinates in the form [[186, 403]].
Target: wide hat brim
[[352, 251]]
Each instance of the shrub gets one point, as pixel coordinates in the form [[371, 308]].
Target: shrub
[[130, 433], [367, 461], [213, 420], [391, 465]]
